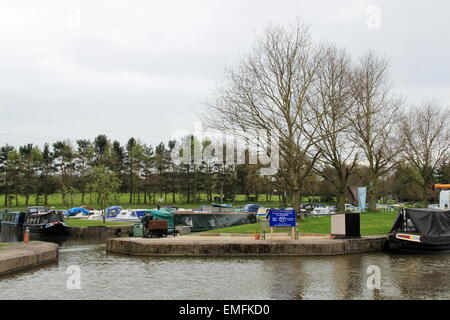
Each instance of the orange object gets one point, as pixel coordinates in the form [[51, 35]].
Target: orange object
[[26, 236], [257, 236], [441, 186]]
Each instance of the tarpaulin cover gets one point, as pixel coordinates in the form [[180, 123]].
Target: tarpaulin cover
[[431, 223], [75, 211], [163, 215], [112, 211]]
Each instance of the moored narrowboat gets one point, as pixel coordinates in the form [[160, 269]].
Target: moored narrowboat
[[420, 231], [51, 222], [13, 220], [213, 217]]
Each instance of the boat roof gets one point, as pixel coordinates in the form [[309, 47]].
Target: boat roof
[[429, 222]]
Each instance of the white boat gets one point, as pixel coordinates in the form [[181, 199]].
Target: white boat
[[128, 216], [321, 211], [98, 215], [351, 209]]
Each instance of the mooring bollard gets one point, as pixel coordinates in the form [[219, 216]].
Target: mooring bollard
[[26, 235]]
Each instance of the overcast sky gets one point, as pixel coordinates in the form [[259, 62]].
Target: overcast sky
[[75, 69]]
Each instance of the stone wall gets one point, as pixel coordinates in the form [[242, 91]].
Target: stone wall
[[167, 247], [99, 231], [19, 256]]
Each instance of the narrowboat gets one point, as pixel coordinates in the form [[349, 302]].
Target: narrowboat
[[212, 217], [420, 231], [13, 220], [50, 222]]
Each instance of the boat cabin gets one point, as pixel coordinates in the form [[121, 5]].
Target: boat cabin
[[13, 219]]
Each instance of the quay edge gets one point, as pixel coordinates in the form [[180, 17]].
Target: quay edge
[[243, 247], [21, 256], [99, 231]]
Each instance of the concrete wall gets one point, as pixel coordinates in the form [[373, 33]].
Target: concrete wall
[[19, 256], [166, 247], [99, 231]]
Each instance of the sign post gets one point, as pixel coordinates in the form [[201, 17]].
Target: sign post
[[282, 218]]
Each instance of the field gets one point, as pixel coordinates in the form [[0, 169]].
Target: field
[[372, 223], [55, 200]]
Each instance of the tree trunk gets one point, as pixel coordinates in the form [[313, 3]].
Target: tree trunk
[[425, 195], [340, 206], [372, 192], [296, 201]]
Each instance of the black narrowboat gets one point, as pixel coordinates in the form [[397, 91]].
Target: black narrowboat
[[50, 222], [420, 231], [13, 220]]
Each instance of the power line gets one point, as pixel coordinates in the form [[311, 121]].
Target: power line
[[114, 131]]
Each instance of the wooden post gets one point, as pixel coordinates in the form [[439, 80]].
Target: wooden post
[[293, 233], [271, 233]]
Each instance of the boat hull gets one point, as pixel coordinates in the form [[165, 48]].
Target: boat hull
[[212, 220], [57, 228], [403, 246]]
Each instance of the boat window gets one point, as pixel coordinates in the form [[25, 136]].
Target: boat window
[[53, 218], [410, 227], [133, 214]]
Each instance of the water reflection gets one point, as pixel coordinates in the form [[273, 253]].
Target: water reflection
[[113, 276]]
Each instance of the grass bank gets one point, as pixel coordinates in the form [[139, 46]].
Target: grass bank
[[372, 223], [55, 200], [2, 245], [92, 223]]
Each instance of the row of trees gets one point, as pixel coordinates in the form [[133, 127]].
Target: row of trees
[[101, 170], [333, 113]]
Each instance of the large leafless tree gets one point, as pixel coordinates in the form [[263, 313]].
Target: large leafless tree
[[271, 90], [375, 119], [332, 104], [426, 133]]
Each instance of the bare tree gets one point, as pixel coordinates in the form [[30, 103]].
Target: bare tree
[[332, 104], [270, 90], [426, 132], [375, 119]]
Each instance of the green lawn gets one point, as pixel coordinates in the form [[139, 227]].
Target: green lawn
[[372, 223], [4, 245], [55, 200], [90, 223]]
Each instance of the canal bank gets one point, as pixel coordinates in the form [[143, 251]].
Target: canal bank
[[99, 231], [19, 256], [222, 246]]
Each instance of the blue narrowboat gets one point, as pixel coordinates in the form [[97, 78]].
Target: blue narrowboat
[[13, 220]]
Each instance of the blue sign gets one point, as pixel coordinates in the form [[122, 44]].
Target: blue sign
[[282, 218]]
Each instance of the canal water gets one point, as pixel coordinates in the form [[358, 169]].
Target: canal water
[[111, 276]]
